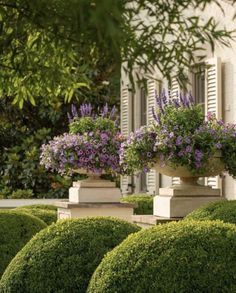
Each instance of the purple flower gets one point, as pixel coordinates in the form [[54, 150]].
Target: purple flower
[[198, 155], [104, 136], [178, 140], [187, 140], [188, 149], [218, 145]]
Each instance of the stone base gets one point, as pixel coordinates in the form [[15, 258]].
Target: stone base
[[170, 206], [68, 210], [89, 191], [189, 191], [147, 221]]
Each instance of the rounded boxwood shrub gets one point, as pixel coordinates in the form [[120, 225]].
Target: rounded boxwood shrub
[[63, 257], [221, 210], [48, 216], [179, 257], [144, 203], [16, 229]]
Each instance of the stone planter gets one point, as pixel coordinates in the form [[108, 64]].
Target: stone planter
[[94, 196], [179, 200]]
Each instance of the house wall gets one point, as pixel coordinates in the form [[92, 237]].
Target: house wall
[[228, 59]]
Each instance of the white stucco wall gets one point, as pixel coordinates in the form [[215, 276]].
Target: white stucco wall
[[228, 59]]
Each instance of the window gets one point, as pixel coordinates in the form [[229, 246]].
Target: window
[[199, 87], [143, 107]]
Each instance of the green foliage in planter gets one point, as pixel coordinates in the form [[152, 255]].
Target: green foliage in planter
[[144, 203], [64, 256], [16, 229], [179, 257], [48, 216], [222, 210]]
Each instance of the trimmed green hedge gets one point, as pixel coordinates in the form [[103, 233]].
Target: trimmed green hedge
[[63, 257], [48, 216], [40, 206], [16, 229], [144, 203], [221, 210], [179, 257]]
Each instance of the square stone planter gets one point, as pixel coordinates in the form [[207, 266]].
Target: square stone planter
[[90, 198]]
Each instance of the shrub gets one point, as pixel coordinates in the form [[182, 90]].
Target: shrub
[[48, 216], [22, 193], [222, 210], [64, 256], [16, 229], [40, 206], [181, 257], [144, 203]]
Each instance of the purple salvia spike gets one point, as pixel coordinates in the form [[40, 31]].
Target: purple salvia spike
[[113, 112], [176, 103], [154, 115], [164, 97], [69, 117], [90, 109], [184, 100], [117, 122], [191, 99], [187, 102], [74, 111], [105, 110], [181, 99]]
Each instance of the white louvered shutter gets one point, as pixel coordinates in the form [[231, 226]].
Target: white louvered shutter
[[174, 93], [213, 101], [125, 129], [175, 89], [152, 176]]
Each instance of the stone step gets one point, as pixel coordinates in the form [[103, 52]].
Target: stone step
[[147, 221]]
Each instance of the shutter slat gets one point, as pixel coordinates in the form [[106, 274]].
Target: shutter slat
[[175, 92], [213, 101], [152, 86], [125, 129]]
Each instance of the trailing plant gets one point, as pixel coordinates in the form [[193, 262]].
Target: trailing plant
[[93, 144], [180, 136]]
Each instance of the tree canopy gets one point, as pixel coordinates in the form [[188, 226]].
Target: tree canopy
[[50, 48]]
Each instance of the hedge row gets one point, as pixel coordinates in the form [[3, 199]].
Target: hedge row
[[144, 203]]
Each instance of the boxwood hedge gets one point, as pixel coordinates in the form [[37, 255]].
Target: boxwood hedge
[[221, 210], [16, 229], [144, 203], [40, 206], [63, 257], [48, 216], [179, 257]]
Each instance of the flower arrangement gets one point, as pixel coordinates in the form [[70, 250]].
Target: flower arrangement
[[181, 136], [92, 144]]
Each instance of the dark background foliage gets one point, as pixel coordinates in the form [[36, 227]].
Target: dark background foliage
[[22, 132]]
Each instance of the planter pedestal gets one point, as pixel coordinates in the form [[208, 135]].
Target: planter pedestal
[[94, 197], [177, 201]]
